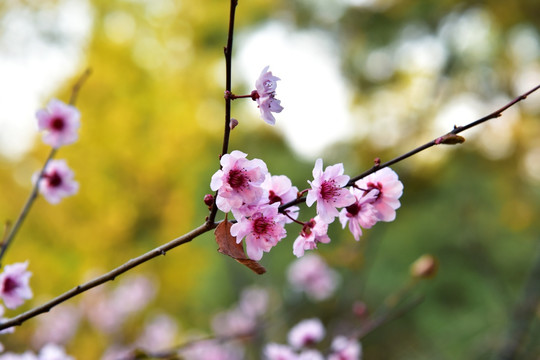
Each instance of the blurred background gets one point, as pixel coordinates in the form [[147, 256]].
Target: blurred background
[[360, 79]]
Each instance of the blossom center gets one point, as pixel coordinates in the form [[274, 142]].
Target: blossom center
[[237, 178], [371, 186], [273, 197], [353, 209], [329, 190], [260, 224], [58, 124], [10, 285], [54, 179]]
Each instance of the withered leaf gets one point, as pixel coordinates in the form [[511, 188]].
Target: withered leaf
[[228, 246]]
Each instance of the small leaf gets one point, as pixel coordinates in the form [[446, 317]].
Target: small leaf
[[228, 246]]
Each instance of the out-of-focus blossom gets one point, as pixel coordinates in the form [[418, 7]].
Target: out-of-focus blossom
[[57, 326], [274, 351], [14, 284], [212, 350], [60, 123], [265, 96], [310, 355], [327, 190], [390, 190], [53, 352], [361, 214], [313, 232], [262, 230], [28, 355], [306, 333], [279, 189], [344, 348], [254, 301], [159, 334], [233, 323], [312, 275], [57, 181], [238, 182]]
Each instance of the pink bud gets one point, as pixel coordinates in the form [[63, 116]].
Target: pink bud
[[233, 123]]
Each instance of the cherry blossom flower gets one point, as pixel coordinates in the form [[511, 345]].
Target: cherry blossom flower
[[314, 232], [57, 181], [310, 355], [305, 333], [254, 301], [313, 276], [212, 350], [238, 183], [274, 351], [265, 96], [53, 352], [360, 214], [280, 190], [268, 105], [14, 287], [233, 323], [327, 190], [266, 83], [60, 123], [344, 348], [262, 230], [390, 190]]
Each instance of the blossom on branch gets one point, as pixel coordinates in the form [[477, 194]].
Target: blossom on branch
[[14, 287], [273, 351], [344, 348], [238, 183], [265, 96], [390, 190], [327, 190], [262, 230], [281, 191], [313, 276], [57, 181], [361, 214], [60, 123], [313, 232]]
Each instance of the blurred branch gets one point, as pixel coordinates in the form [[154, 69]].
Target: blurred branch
[[8, 239], [111, 275], [449, 138], [228, 81], [523, 316]]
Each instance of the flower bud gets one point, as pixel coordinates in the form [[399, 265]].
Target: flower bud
[[425, 267], [233, 123], [209, 200]]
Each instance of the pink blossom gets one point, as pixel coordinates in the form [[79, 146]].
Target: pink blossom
[[60, 123], [360, 214], [254, 301], [159, 334], [58, 326], [265, 96], [314, 232], [57, 181], [390, 190], [212, 350], [238, 182], [262, 230], [268, 105], [310, 355], [233, 322], [53, 352], [313, 276], [344, 348], [266, 83], [327, 190], [14, 287], [306, 333], [274, 351], [279, 189]]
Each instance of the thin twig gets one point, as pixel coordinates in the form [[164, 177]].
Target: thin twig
[[8, 239], [228, 82], [111, 275], [436, 141]]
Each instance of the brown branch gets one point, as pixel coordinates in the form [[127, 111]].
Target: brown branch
[[444, 139], [228, 82], [111, 275]]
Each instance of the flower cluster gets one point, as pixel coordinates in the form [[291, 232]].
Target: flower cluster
[[265, 95], [303, 336], [253, 195]]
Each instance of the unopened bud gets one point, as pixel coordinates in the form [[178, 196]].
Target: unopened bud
[[233, 123], [425, 267], [450, 139], [360, 309], [209, 200]]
